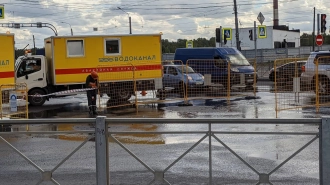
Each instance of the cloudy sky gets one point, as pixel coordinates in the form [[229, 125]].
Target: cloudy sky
[[185, 19]]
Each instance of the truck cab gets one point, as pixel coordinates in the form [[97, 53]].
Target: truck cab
[[32, 70]]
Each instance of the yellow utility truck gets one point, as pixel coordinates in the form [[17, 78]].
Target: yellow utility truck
[[7, 59], [7, 65], [125, 64]]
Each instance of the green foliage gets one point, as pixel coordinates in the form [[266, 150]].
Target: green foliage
[[307, 39], [170, 47]]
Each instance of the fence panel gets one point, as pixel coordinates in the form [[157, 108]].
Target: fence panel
[[320, 82], [248, 153], [117, 85], [13, 102], [148, 79], [128, 84], [221, 79], [173, 78], [290, 93]]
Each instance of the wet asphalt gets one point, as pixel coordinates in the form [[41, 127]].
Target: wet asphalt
[[262, 152]]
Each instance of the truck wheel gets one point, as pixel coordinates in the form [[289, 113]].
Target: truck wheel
[[35, 100], [123, 93]]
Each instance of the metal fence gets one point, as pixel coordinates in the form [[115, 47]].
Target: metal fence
[[105, 129], [13, 102], [301, 82], [129, 84]]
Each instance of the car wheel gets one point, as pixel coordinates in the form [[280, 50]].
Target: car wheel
[[36, 98], [182, 87], [271, 77]]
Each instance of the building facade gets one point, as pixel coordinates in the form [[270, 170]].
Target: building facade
[[268, 37]]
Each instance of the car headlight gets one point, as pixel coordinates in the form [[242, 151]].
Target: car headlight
[[202, 77], [189, 78]]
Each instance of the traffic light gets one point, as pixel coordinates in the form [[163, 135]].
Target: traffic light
[[250, 34], [217, 34], [323, 23]]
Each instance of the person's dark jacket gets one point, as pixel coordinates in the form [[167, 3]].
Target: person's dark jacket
[[89, 80]]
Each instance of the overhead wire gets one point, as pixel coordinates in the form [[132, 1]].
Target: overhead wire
[[202, 8]]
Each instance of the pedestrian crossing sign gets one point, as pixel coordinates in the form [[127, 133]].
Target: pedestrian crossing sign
[[227, 32], [2, 12], [262, 31]]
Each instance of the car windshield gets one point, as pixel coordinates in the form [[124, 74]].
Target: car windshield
[[185, 69], [238, 59]]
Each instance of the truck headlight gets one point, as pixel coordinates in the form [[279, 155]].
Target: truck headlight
[[234, 70]]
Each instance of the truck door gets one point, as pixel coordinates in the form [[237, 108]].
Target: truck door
[[32, 72]]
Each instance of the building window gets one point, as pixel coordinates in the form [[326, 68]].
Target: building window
[[112, 47], [75, 48]]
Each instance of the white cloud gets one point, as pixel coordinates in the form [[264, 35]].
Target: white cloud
[[176, 19]]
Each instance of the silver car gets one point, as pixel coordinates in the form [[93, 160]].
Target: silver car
[[308, 76], [180, 76]]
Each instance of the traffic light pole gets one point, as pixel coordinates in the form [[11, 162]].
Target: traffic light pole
[[318, 27], [38, 25], [318, 24], [220, 36], [255, 41], [313, 35]]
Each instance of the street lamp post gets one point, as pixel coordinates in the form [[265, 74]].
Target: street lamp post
[[70, 27], [129, 19]]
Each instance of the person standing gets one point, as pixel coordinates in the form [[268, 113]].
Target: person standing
[[92, 82]]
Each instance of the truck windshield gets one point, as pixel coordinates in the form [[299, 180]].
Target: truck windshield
[[18, 61], [238, 59], [185, 69]]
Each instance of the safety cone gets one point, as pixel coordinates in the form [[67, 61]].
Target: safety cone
[[143, 93]]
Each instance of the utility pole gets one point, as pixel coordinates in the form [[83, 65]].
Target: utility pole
[[129, 20], [313, 35], [34, 45], [236, 27]]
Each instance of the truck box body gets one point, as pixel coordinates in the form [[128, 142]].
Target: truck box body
[[119, 60], [7, 59], [71, 58], [213, 61]]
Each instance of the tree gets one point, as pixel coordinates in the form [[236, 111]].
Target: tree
[[170, 47]]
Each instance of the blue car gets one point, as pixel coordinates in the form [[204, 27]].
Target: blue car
[[181, 76]]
